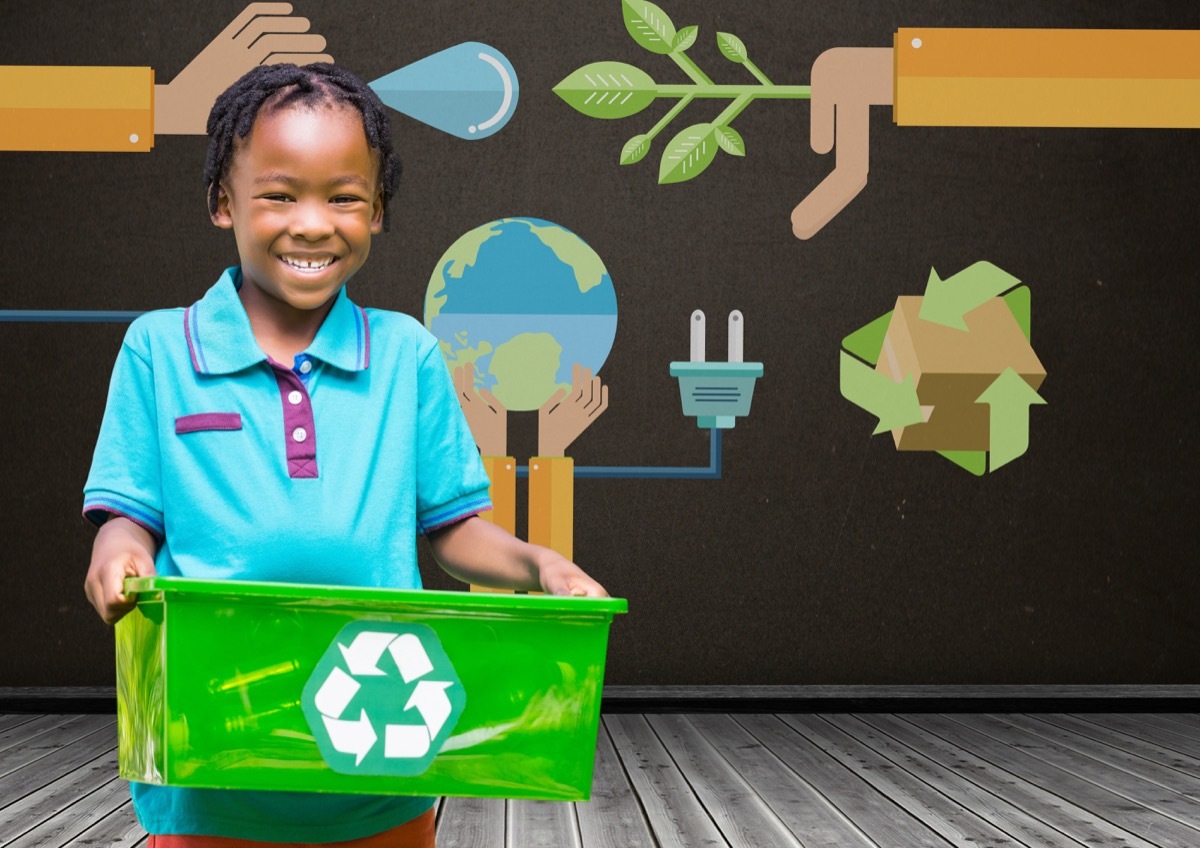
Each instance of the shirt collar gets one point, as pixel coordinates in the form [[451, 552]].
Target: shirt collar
[[221, 341]]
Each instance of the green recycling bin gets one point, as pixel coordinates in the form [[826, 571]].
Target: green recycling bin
[[246, 685]]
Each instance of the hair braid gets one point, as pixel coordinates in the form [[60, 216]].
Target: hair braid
[[236, 109]]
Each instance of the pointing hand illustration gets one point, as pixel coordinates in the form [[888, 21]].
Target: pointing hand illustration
[[846, 83], [264, 33]]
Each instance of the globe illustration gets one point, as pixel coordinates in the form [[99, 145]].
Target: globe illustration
[[523, 300]]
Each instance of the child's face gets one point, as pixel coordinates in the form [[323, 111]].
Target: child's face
[[302, 197]]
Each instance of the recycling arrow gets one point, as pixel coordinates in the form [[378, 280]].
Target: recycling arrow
[[336, 693], [363, 654], [947, 301], [410, 657], [894, 404], [1009, 397], [405, 741], [412, 740], [355, 696], [351, 737], [431, 702]]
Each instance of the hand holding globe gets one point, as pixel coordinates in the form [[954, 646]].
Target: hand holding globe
[[525, 315]]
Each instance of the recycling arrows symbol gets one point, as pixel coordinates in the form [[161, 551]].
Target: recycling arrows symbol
[[928, 368], [383, 678]]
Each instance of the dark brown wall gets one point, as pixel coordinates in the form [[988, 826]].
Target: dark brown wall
[[823, 555]]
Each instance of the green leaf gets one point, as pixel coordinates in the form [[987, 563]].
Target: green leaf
[[608, 90], [730, 140], [688, 154], [649, 26], [684, 39], [635, 150], [732, 47]]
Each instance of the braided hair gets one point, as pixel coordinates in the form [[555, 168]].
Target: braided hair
[[233, 115]]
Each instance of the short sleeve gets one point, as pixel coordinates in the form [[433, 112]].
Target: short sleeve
[[979, 77], [76, 108], [125, 478], [452, 483]]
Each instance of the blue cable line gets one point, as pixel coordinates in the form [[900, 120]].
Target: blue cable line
[[712, 472], [39, 316]]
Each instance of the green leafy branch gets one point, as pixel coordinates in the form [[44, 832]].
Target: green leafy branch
[[617, 90]]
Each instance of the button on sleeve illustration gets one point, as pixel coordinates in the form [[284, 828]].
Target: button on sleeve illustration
[[116, 109]]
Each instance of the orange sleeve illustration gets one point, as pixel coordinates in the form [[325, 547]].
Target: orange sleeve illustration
[[1047, 78], [502, 472], [552, 503], [68, 108]]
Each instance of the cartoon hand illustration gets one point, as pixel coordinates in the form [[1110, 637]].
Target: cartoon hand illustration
[[264, 33], [565, 416], [486, 416], [846, 82]]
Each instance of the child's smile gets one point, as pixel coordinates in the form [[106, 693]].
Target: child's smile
[[308, 264], [303, 199]]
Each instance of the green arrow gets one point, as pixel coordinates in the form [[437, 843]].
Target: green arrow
[[971, 460], [947, 301], [1009, 397], [867, 342], [894, 404]]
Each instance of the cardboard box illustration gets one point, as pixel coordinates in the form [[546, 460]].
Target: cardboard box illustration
[[951, 368]]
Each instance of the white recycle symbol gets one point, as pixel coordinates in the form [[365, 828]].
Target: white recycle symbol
[[358, 736]]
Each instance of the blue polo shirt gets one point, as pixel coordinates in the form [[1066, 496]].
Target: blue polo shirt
[[321, 472]]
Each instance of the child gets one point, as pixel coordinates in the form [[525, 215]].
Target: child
[[207, 464]]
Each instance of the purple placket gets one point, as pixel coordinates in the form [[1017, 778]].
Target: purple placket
[[299, 429]]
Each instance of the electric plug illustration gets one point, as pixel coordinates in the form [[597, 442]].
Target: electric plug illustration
[[716, 394]]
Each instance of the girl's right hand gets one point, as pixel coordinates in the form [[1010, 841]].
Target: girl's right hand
[[122, 549]]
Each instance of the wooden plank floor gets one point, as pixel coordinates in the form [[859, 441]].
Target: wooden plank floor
[[686, 781]]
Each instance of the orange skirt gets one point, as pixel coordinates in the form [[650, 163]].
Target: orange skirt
[[418, 833]]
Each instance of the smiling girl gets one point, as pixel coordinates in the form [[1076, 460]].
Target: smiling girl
[[274, 430]]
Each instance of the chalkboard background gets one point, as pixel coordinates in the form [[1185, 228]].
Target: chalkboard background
[[823, 555]]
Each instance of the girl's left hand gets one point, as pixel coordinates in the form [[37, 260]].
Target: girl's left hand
[[560, 576]]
